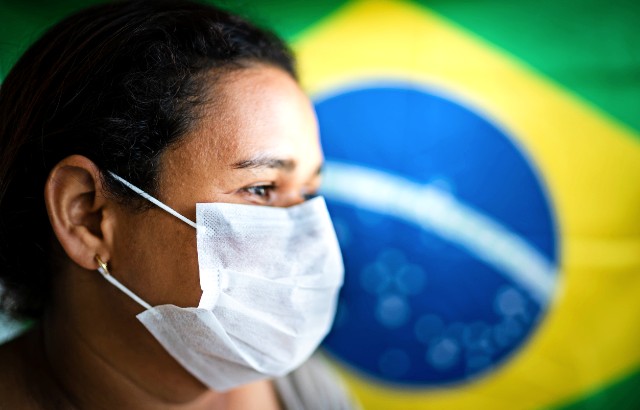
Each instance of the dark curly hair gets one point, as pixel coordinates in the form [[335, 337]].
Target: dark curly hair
[[118, 83]]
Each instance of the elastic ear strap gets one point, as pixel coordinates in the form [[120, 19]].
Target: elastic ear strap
[[123, 288], [153, 200]]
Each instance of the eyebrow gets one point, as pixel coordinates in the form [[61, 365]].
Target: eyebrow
[[265, 162]]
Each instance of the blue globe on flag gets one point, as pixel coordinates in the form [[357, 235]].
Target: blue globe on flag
[[448, 238]]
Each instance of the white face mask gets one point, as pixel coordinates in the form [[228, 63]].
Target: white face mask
[[269, 278]]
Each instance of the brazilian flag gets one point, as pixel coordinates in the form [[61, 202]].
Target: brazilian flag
[[483, 174]]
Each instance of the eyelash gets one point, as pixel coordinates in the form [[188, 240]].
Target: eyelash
[[269, 189]]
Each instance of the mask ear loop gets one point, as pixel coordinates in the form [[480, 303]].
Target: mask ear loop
[[102, 268], [153, 200]]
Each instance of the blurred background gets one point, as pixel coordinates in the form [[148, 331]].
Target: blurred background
[[483, 175]]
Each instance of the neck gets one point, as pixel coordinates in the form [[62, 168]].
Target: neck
[[98, 355]]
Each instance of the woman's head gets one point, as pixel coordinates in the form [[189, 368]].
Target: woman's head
[[186, 101]]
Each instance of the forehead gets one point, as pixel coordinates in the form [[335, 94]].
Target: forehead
[[258, 111]]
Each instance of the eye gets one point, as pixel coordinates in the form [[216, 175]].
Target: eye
[[309, 195], [261, 193], [311, 190]]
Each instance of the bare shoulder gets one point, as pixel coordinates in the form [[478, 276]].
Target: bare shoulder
[[13, 389]]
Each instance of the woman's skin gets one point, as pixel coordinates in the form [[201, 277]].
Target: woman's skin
[[257, 143]]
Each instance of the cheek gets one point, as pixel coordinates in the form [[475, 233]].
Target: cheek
[[157, 258]]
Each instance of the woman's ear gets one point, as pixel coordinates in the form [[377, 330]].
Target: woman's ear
[[80, 214]]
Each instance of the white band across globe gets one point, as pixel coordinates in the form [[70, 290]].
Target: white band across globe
[[440, 212]]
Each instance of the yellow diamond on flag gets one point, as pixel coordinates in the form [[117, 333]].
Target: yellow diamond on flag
[[590, 167]]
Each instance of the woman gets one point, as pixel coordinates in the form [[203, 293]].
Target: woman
[[113, 126]]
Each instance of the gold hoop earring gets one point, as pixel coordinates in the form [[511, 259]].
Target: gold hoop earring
[[102, 265]]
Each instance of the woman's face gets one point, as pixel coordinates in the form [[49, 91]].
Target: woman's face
[[257, 143]]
